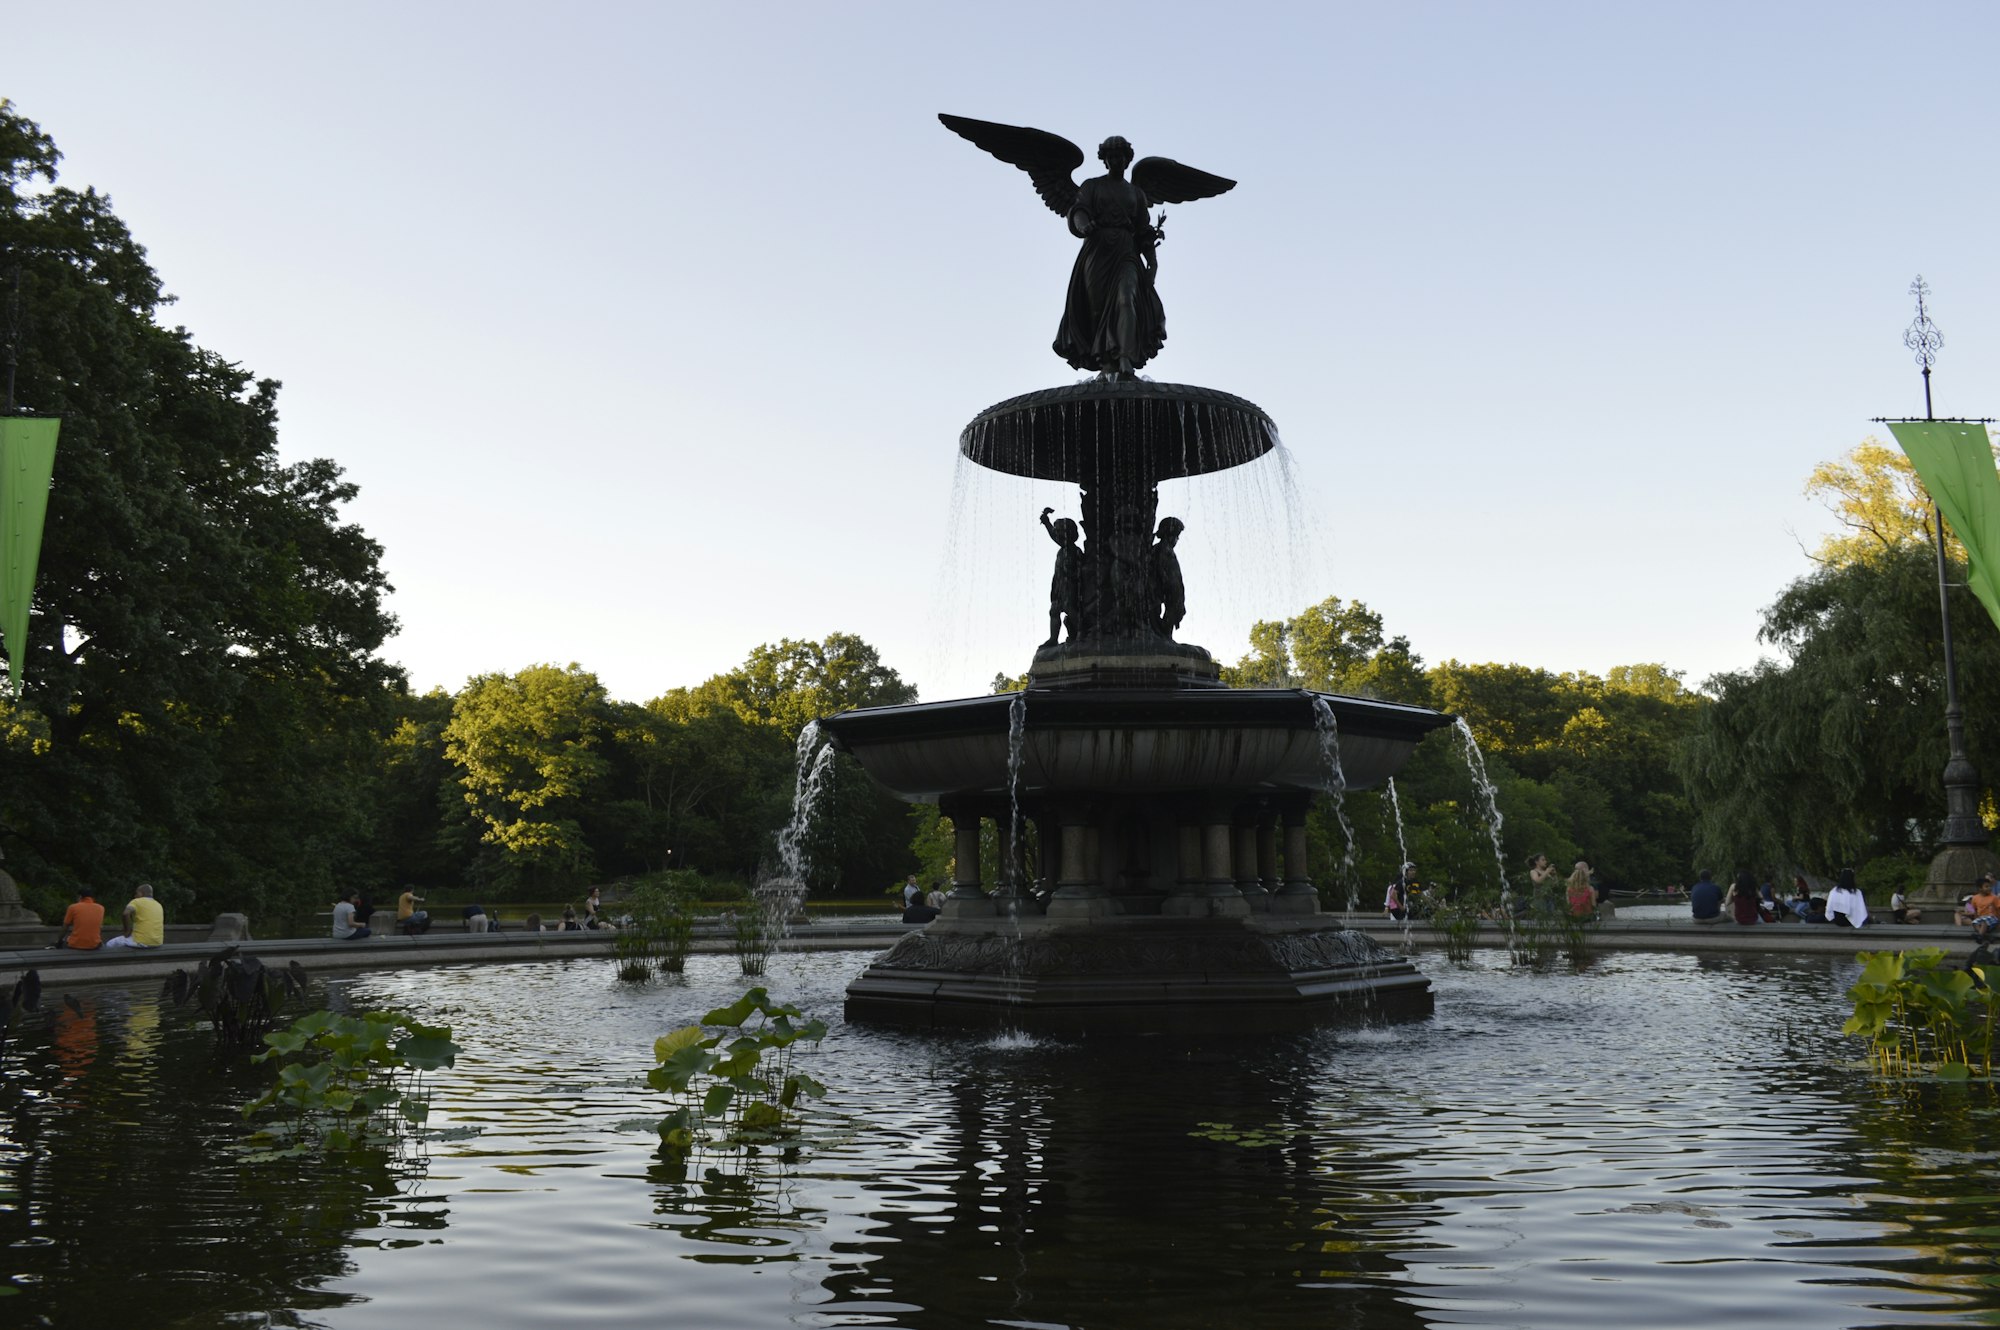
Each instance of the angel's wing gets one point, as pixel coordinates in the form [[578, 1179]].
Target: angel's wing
[[1049, 159], [1166, 181]]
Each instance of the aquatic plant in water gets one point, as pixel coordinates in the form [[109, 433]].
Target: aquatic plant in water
[[656, 934], [240, 995], [1457, 922], [345, 1082], [1924, 1017], [752, 941], [734, 1088], [24, 996]]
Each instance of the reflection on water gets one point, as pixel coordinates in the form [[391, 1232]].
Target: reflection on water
[[1659, 1140]]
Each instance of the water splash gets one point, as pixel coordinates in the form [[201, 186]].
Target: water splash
[[1475, 762], [1336, 789], [781, 896]]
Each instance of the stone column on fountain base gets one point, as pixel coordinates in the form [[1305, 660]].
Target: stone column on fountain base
[[1079, 893], [1243, 846], [1298, 895], [966, 900]]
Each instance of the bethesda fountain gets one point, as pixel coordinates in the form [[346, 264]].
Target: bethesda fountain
[[1151, 822]]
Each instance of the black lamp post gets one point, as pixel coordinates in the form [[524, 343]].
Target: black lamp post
[[1964, 856]]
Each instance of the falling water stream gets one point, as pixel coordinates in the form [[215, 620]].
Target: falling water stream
[[1402, 857], [780, 897], [1336, 790], [1475, 762], [1017, 731]]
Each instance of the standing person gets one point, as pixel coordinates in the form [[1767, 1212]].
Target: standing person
[[1392, 901], [1705, 899], [912, 893], [477, 922], [408, 917], [1579, 894], [345, 926], [82, 923], [935, 897], [145, 922], [1844, 904]]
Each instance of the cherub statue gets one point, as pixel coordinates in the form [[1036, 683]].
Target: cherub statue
[[1166, 591], [1113, 321], [1066, 587]]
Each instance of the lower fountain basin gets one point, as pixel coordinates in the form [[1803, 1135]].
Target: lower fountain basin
[[1136, 975], [1143, 741]]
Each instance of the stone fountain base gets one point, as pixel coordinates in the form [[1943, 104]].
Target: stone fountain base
[[1137, 974]]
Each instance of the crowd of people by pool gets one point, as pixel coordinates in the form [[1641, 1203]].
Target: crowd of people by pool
[[1748, 898]]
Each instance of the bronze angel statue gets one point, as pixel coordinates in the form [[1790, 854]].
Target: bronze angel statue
[[1112, 321]]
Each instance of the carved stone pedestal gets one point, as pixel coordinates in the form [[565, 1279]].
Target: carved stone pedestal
[[1137, 973]]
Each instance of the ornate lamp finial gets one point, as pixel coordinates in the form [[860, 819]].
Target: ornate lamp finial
[[1923, 337]]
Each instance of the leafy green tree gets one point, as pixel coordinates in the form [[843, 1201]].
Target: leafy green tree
[[705, 784], [529, 748], [202, 688], [790, 683], [1332, 647], [1879, 502], [1836, 752]]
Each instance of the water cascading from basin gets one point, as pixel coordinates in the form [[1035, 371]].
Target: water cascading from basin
[[1475, 764], [1328, 727]]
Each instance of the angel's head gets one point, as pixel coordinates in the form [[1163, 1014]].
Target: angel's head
[[1115, 153]]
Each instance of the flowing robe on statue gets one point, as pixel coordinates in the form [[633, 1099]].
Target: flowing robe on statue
[[1113, 311]]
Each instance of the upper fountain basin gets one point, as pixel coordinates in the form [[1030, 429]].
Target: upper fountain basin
[[1081, 431], [1130, 741]]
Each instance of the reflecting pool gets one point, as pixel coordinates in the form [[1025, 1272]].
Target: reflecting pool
[[1660, 1140]]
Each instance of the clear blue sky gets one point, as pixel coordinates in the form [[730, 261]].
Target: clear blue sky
[[647, 330]]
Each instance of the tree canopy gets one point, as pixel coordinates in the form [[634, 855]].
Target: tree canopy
[[202, 679]]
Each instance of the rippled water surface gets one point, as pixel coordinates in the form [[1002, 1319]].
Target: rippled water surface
[[1657, 1141]]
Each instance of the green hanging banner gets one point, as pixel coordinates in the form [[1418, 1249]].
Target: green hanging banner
[[27, 463], [1954, 459]]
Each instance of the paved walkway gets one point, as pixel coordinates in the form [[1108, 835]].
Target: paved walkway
[[62, 966], [1686, 935], [82, 967]]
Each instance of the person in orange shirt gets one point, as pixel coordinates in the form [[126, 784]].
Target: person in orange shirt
[[1983, 910], [83, 923]]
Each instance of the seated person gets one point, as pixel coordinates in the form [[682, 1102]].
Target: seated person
[[916, 912], [145, 923], [82, 923], [1705, 899], [1982, 910], [344, 912], [1844, 905], [569, 923], [408, 917], [1745, 906], [1802, 905], [1900, 909]]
